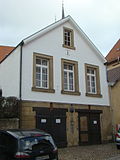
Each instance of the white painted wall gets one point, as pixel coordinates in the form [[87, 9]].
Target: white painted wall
[[9, 74], [51, 44]]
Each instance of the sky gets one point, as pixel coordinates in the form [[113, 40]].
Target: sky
[[99, 19]]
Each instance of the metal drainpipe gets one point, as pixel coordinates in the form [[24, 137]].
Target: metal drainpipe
[[20, 84]]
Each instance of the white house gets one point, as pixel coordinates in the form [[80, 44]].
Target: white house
[[60, 78]]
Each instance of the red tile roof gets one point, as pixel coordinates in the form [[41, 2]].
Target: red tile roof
[[4, 51], [114, 53]]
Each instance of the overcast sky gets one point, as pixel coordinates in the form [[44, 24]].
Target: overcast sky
[[99, 19]]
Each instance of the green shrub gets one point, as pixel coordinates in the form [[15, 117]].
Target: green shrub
[[9, 107]]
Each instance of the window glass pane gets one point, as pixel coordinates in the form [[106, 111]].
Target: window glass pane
[[38, 83], [71, 87], [38, 69], [88, 70], [71, 75], [68, 33], [68, 43], [93, 90], [38, 76], [65, 74], [44, 77], [92, 71], [44, 70], [38, 61], [70, 67], [65, 80], [65, 42], [92, 78], [69, 39], [65, 66], [93, 84], [44, 84], [66, 39], [44, 62], [71, 80]]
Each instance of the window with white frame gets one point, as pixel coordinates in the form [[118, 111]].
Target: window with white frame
[[91, 80], [68, 38], [43, 73], [42, 78], [68, 77]]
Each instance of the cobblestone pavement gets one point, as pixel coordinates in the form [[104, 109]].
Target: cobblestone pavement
[[94, 152], [114, 158]]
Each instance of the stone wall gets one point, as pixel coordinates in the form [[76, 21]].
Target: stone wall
[[28, 119], [9, 123], [115, 105]]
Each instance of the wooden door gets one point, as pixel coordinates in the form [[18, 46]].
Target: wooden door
[[89, 128], [54, 122]]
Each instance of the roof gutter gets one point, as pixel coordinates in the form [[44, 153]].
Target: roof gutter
[[20, 84]]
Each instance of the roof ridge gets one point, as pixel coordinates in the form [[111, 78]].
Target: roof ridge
[[45, 28]]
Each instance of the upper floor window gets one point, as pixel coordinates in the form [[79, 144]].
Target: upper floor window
[[92, 81], [42, 73], [68, 38], [69, 77], [70, 82], [42, 78]]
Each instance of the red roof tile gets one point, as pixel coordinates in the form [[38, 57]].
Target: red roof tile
[[4, 51], [114, 52]]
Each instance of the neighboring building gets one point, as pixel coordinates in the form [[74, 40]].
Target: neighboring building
[[5, 51], [60, 78], [113, 57], [113, 73]]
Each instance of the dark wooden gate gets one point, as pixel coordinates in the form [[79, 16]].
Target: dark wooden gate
[[53, 121], [94, 129], [89, 127]]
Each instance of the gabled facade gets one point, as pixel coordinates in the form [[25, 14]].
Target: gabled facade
[[60, 78]]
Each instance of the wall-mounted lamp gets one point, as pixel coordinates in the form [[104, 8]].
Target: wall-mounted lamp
[[71, 108]]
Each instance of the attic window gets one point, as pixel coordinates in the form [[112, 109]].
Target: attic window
[[68, 38]]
